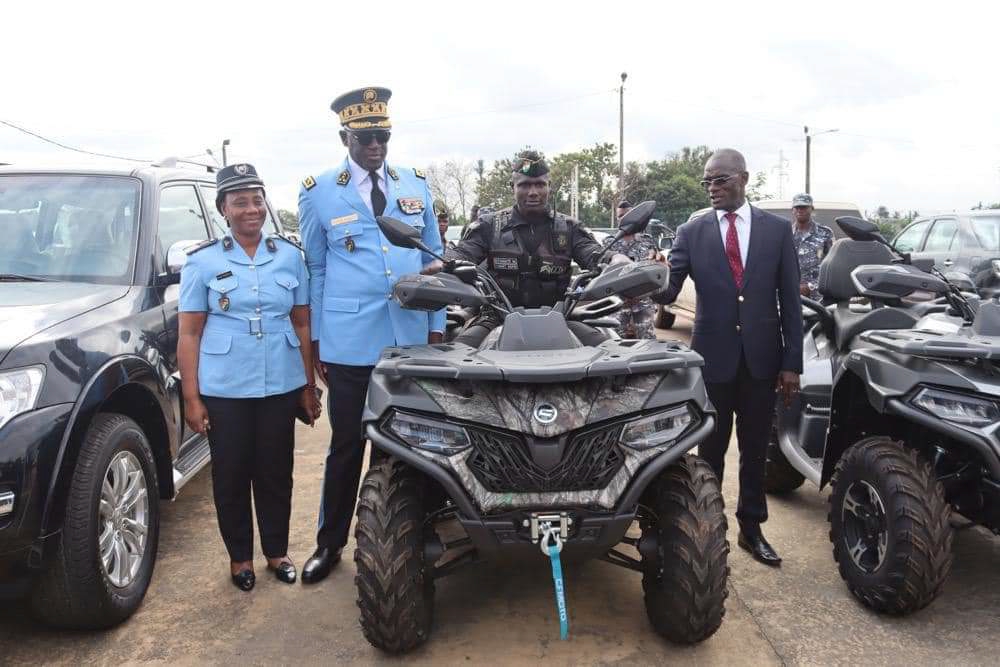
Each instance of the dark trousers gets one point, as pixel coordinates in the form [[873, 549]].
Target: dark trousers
[[252, 442], [348, 389], [474, 334], [752, 402]]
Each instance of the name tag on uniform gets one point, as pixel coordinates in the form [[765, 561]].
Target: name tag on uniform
[[410, 205], [505, 263], [344, 219]]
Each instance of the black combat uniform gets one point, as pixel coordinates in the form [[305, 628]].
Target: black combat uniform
[[532, 262]]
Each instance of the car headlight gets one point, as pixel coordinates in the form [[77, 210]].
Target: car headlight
[[957, 408], [19, 390], [429, 434], [658, 429]]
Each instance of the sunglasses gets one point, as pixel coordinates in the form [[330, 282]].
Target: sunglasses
[[365, 137], [718, 180]]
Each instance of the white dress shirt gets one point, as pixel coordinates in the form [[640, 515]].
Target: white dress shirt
[[363, 181], [742, 228]]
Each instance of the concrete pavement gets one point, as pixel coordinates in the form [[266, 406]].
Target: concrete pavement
[[798, 614]]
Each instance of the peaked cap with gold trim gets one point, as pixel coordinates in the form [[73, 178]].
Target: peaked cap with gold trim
[[364, 109]]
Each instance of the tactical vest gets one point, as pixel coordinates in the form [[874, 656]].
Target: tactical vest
[[531, 280]]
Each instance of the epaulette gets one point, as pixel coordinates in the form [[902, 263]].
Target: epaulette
[[419, 174], [344, 178], [392, 173], [286, 240], [309, 183], [202, 246]]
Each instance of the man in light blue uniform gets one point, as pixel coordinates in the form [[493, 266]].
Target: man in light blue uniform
[[353, 269]]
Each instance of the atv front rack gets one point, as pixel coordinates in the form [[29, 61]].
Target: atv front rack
[[455, 361], [935, 344]]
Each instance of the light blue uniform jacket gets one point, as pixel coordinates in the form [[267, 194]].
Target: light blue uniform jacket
[[248, 347], [353, 267]]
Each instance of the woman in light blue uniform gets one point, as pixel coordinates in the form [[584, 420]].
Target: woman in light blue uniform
[[246, 365]]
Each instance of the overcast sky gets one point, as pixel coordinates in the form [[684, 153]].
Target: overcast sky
[[913, 92]]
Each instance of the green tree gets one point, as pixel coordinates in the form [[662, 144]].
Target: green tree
[[674, 183], [289, 220]]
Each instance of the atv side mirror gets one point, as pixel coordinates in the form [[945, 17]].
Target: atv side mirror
[[636, 219], [860, 230], [399, 233]]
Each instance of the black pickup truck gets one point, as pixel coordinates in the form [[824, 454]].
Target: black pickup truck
[[92, 436]]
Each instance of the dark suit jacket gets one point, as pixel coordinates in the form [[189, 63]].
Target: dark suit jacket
[[763, 321]]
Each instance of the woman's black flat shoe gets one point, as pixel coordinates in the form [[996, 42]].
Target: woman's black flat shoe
[[244, 580], [284, 572]]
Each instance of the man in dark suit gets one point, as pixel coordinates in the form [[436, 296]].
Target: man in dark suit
[[748, 326]]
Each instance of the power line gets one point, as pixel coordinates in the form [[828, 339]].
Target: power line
[[69, 148]]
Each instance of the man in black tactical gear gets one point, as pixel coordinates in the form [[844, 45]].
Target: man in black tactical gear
[[528, 249]]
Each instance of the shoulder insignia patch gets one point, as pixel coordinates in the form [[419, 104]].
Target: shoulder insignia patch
[[419, 174], [392, 173], [309, 183], [227, 243], [344, 178], [202, 246]]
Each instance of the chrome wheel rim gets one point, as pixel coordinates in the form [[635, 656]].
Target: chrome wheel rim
[[866, 530], [123, 519]]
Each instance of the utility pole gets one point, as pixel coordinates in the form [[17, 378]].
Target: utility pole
[[808, 144], [574, 194], [621, 146], [225, 142], [479, 169]]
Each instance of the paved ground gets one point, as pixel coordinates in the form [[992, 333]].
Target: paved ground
[[800, 614]]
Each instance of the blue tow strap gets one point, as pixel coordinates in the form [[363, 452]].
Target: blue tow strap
[[557, 580]]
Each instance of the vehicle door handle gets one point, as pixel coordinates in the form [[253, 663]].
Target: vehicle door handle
[[947, 262]]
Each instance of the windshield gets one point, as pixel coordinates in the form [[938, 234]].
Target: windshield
[[68, 227], [988, 232]]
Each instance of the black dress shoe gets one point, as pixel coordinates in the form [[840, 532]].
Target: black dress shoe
[[244, 580], [320, 564], [759, 548], [284, 571]]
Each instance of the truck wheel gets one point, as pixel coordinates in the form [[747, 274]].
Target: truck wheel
[[395, 590], [889, 524], [685, 583], [779, 475], [99, 569], [664, 318]]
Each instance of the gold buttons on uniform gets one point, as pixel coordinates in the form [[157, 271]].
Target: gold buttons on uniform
[[737, 327], [388, 272], [385, 248], [740, 298]]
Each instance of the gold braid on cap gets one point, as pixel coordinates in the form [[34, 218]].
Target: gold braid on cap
[[354, 115]]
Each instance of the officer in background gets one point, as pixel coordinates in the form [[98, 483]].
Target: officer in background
[[246, 366], [636, 315], [353, 269], [443, 220], [812, 243], [528, 249]]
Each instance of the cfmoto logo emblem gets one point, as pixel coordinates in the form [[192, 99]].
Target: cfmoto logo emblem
[[546, 413]]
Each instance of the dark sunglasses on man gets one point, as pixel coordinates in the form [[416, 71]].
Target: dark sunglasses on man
[[365, 137], [718, 180]]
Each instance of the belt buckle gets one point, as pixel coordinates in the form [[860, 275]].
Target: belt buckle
[[259, 332]]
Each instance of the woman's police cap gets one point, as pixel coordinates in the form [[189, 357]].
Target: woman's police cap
[[364, 109], [240, 176]]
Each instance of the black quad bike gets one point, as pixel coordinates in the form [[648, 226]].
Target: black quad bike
[[535, 442], [898, 412]]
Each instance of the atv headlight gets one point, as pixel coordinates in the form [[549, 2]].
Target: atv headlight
[[957, 408], [19, 390], [429, 434], [658, 429]]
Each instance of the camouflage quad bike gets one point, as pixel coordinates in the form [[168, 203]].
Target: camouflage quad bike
[[535, 440]]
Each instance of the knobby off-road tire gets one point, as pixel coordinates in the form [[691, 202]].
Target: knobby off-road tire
[[779, 475], [915, 517], [395, 590], [685, 585], [76, 589]]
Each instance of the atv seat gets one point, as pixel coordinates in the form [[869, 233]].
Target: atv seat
[[835, 283], [847, 324]]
